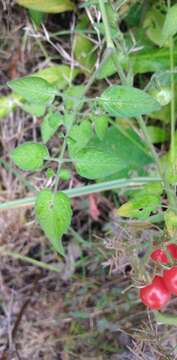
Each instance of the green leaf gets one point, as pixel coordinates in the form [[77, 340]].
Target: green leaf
[[83, 48], [34, 89], [80, 135], [29, 156], [163, 95], [50, 125], [160, 88], [126, 101], [140, 207], [37, 17], [50, 173], [170, 218], [34, 109], [65, 174], [122, 174], [95, 162], [101, 158], [134, 15], [151, 60], [68, 120], [83, 52], [165, 318], [101, 125], [72, 95], [161, 81], [51, 6], [109, 67], [142, 203], [170, 24], [153, 23], [157, 134], [53, 212], [142, 61], [59, 75]]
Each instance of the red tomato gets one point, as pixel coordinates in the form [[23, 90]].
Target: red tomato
[[170, 279], [160, 256], [155, 295], [172, 248]]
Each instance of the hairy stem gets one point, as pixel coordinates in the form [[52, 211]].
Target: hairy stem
[[109, 42], [5, 252], [85, 190], [173, 120]]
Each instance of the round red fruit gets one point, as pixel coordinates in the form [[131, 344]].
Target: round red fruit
[[170, 279], [172, 248], [155, 295], [159, 256]]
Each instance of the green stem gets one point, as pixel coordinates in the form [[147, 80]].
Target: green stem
[[173, 117], [106, 56], [109, 41], [43, 50], [85, 190], [119, 68], [40, 264], [60, 160], [143, 127], [110, 44]]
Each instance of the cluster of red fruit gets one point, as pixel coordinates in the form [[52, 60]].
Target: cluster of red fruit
[[157, 294]]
